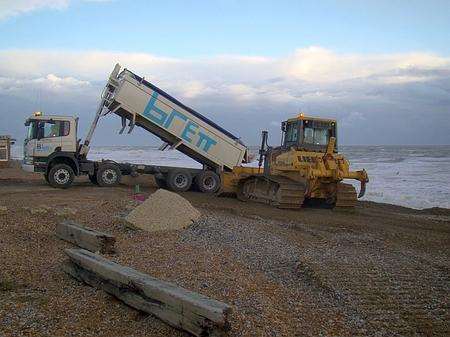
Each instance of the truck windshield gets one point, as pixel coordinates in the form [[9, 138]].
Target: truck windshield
[[316, 136]]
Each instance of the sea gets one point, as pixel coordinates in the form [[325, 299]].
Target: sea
[[411, 176]]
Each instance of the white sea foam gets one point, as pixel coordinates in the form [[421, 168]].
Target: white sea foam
[[411, 176], [143, 155]]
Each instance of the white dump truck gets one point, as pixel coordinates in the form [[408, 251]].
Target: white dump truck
[[52, 146]]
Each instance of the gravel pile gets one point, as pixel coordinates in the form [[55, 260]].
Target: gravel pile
[[163, 210]]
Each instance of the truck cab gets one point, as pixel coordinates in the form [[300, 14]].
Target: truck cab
[[51, 147], [308, 133], [46, 136]]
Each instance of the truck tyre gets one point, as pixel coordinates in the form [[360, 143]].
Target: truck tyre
[[108, 175], [161, 181], [93, 178], [207, 182], [61, 176], [179, 180]]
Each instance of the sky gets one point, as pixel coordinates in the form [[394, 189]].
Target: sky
[[381, 68]]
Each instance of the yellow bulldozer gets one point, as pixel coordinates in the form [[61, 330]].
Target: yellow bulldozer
[[305, 170]]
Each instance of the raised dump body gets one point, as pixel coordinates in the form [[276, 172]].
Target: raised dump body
[[143, 104]]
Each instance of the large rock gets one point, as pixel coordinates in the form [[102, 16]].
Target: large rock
[[163, 210]]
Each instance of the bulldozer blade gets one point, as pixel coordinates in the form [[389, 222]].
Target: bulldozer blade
[[362, 191]]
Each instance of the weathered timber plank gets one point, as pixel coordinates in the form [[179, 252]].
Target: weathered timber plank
[[85, 237], [176, 306]]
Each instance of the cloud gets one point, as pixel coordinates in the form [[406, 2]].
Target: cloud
[[324, 65], [51, 83], [373, 96], [92, 65], [310, 65], [10, 8]]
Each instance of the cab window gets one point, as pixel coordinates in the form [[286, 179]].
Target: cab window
[[308, 135], [316, 136], [50, 129], [3, 153], [291, 133], [31, 130]]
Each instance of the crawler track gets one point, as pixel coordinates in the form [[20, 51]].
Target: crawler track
[[277, 191], [345, 196]]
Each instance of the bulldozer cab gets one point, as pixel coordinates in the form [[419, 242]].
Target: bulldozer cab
[[308, 133]]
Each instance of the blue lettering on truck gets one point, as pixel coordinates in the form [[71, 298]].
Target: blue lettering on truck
[[189, 129], [165, 120]]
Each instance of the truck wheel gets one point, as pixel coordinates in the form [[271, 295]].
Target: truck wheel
[[179, 180], [207, 182], [108, 175], [61, 176], [93, 178], [161, 182]]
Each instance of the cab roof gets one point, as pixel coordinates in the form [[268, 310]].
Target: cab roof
[[301, 116], [54, 117]]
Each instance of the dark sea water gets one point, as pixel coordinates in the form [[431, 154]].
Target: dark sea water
[[412, 176]]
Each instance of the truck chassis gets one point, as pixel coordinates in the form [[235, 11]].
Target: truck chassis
[[61, 171]]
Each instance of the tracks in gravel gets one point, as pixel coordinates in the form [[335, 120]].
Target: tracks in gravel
[[381, 285], [394, 291]]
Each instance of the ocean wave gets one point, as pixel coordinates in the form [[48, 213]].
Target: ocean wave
[[391, 160]]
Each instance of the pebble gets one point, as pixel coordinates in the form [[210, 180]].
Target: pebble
[[65, 212]]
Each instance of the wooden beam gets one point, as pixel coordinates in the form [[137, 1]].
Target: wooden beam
[[181, 308], [85, 237]]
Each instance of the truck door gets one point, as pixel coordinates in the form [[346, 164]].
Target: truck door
[[28, 145], [67, 136], [48, 137]]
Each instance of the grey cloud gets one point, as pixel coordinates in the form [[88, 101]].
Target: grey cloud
[[398, 99]]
